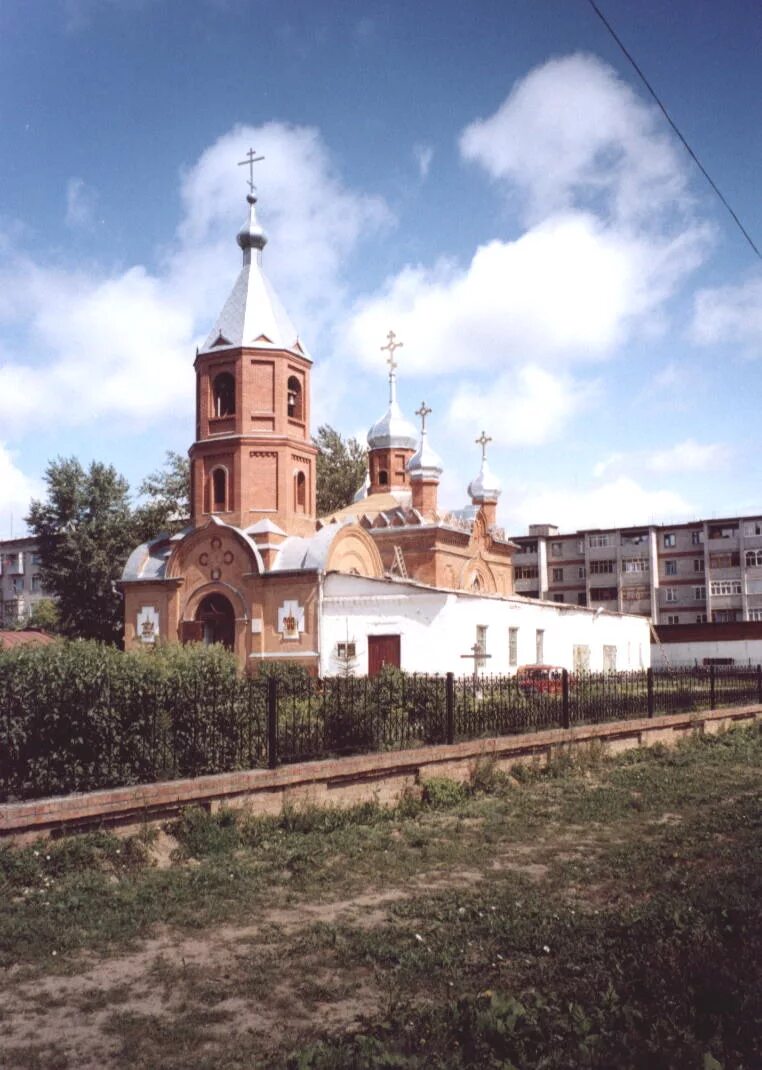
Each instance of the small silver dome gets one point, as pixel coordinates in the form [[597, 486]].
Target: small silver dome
[[251, 235], [425, 462], [393, 431], [486, 487]]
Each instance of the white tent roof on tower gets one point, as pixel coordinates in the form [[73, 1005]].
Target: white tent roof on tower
[[253, 315]]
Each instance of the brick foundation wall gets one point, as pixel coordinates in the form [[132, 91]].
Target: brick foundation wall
[[339, 781]]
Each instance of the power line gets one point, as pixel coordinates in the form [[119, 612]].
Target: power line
[[672, 123]]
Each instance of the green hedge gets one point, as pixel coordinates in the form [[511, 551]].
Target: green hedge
[[75, 716]]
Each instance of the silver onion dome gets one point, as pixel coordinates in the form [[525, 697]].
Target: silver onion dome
[[393, 431], [251, 235], [486, 487], [425, 462]]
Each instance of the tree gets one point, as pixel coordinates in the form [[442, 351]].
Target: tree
[[44, 616], [168, 493], [85, 530], [341, 468]]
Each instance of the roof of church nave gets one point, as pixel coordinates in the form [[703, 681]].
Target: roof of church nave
[[253, 315], [296, 553]]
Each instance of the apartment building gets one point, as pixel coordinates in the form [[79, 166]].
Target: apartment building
[[704, 571], [20, 584]]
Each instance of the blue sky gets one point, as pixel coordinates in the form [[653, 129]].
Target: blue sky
[[488, 179]]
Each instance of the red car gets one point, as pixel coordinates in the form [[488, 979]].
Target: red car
[[540, 679]]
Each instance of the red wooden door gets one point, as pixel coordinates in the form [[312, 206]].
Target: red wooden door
[[382, 650]]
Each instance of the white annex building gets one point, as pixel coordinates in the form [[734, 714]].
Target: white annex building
[[391, 579]]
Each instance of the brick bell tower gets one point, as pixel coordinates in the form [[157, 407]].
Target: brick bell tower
[[253, 457]]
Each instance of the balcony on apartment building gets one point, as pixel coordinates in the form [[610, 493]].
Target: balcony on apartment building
[[723, 537]]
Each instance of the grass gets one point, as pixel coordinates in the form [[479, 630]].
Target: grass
[[596, 913]]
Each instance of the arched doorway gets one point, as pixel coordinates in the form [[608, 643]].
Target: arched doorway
[[217, 619]]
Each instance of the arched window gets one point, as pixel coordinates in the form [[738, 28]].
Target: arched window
[[300, 492], [223, 391], [383, 477], [219, 490], [294, 394]]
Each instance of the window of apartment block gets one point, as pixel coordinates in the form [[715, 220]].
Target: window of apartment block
[[558, 597], [603, 594], [697, 537], [581, 598], [556, 549], [36, 558], [600, 567], [670, 594], [670, 568], [670, 539], [753, 527], [528, 548], [580, 546], [539, 646], [558, 575], [724, 616], [699, 593], [701, 618], [698, 564], [725, 587], [635, 538], [36, 585], [754, 558], [636, 564], [672, 618], [513, 646], [729, 560], [598, 540], [581, 572], [723, 531], [635, 594], [755, 614], [526, 572]]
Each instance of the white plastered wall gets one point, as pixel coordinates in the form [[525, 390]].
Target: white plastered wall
[[437, 627], [742, 651]]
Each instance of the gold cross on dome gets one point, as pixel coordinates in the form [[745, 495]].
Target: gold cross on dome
[[482, 441], [251, 159], [423, 412], [391, 346]]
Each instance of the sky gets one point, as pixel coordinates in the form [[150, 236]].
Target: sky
[[490, 180]]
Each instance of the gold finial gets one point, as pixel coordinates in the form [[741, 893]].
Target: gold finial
[[423, 412], [482, 441], [251, 159]]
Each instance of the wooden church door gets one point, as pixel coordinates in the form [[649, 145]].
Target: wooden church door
[[383, 650]]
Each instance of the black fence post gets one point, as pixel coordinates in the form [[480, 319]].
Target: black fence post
[[759, 684], [565, 721], [650, 690], [450, 707], [272, 722], [711, 687]]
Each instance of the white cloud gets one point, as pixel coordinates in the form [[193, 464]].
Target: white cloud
[[530, 406], [730, 315], [16, 492], [118, 346], [618, 502], [690, 456], [423, 155], [686, 456], [573, 133], [80, 204], [569, 288]]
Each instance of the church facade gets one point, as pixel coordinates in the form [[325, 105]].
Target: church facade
[[390, 579]]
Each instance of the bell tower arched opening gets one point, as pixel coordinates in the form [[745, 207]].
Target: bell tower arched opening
[[223, 395]]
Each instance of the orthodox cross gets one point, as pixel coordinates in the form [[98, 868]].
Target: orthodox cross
[[251, 159], [482, 441], [423, 412], [392, 345], [477, 655]]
